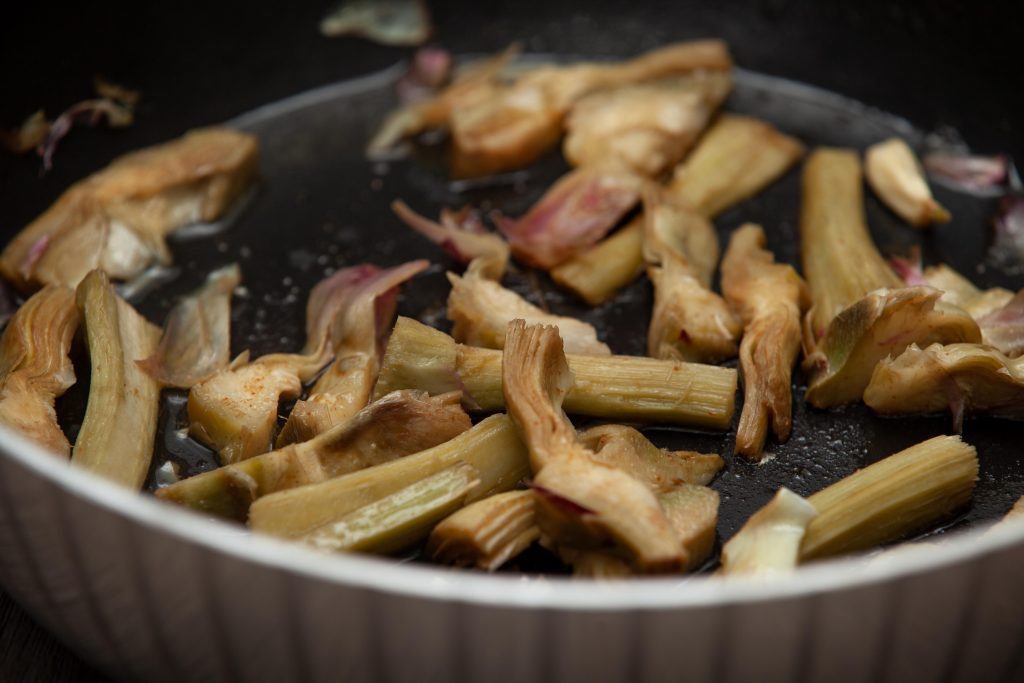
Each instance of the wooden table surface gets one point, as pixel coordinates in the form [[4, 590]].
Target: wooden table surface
[[28, 653]]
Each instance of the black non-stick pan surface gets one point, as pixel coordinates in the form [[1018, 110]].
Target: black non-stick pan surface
[[321, 206]]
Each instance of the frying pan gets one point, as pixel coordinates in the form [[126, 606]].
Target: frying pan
[[124, 583]]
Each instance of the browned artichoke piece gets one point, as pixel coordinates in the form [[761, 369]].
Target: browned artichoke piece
[[769, 298], [896, 176], [580, 501], [896, 496], [487, 533], [735, 159], [35, 368], [235, 411], [196, 341], [119, 427], [840, 260], [661, 469], [116, 219], [481, 309], [400, 519], [516, 123], [631, 388], [689, 321], [881, 324], [960, 378], [491, 446], [356, 306], [648, 127], [769, 542], [397, 425]]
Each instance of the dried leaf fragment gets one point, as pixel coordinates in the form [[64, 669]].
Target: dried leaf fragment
[[128, 97], [28, 136]]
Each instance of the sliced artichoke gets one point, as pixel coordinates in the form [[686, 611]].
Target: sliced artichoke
[[770, 299], [397, 425], [647, 127], [518, 122], [119, 427], [609, 387], [235, 410], [399, 519], [491, 446], [881, 324], [769, 542], [961, 378], [861, 312], [116, 219], [580, 501], [487, 533], [196, 341], [737, 158], [895, 175], [361, 301], [689, 321], [576, 212], [35, 368], [481, 309], [660, 469]]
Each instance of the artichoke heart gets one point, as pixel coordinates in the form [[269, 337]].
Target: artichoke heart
[[689, 321], [769, 298], [581, 502], [881, 324], [961, 378], [116, 220], [35, 368]]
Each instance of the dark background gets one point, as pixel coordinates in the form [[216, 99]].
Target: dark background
[[938, 64]]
